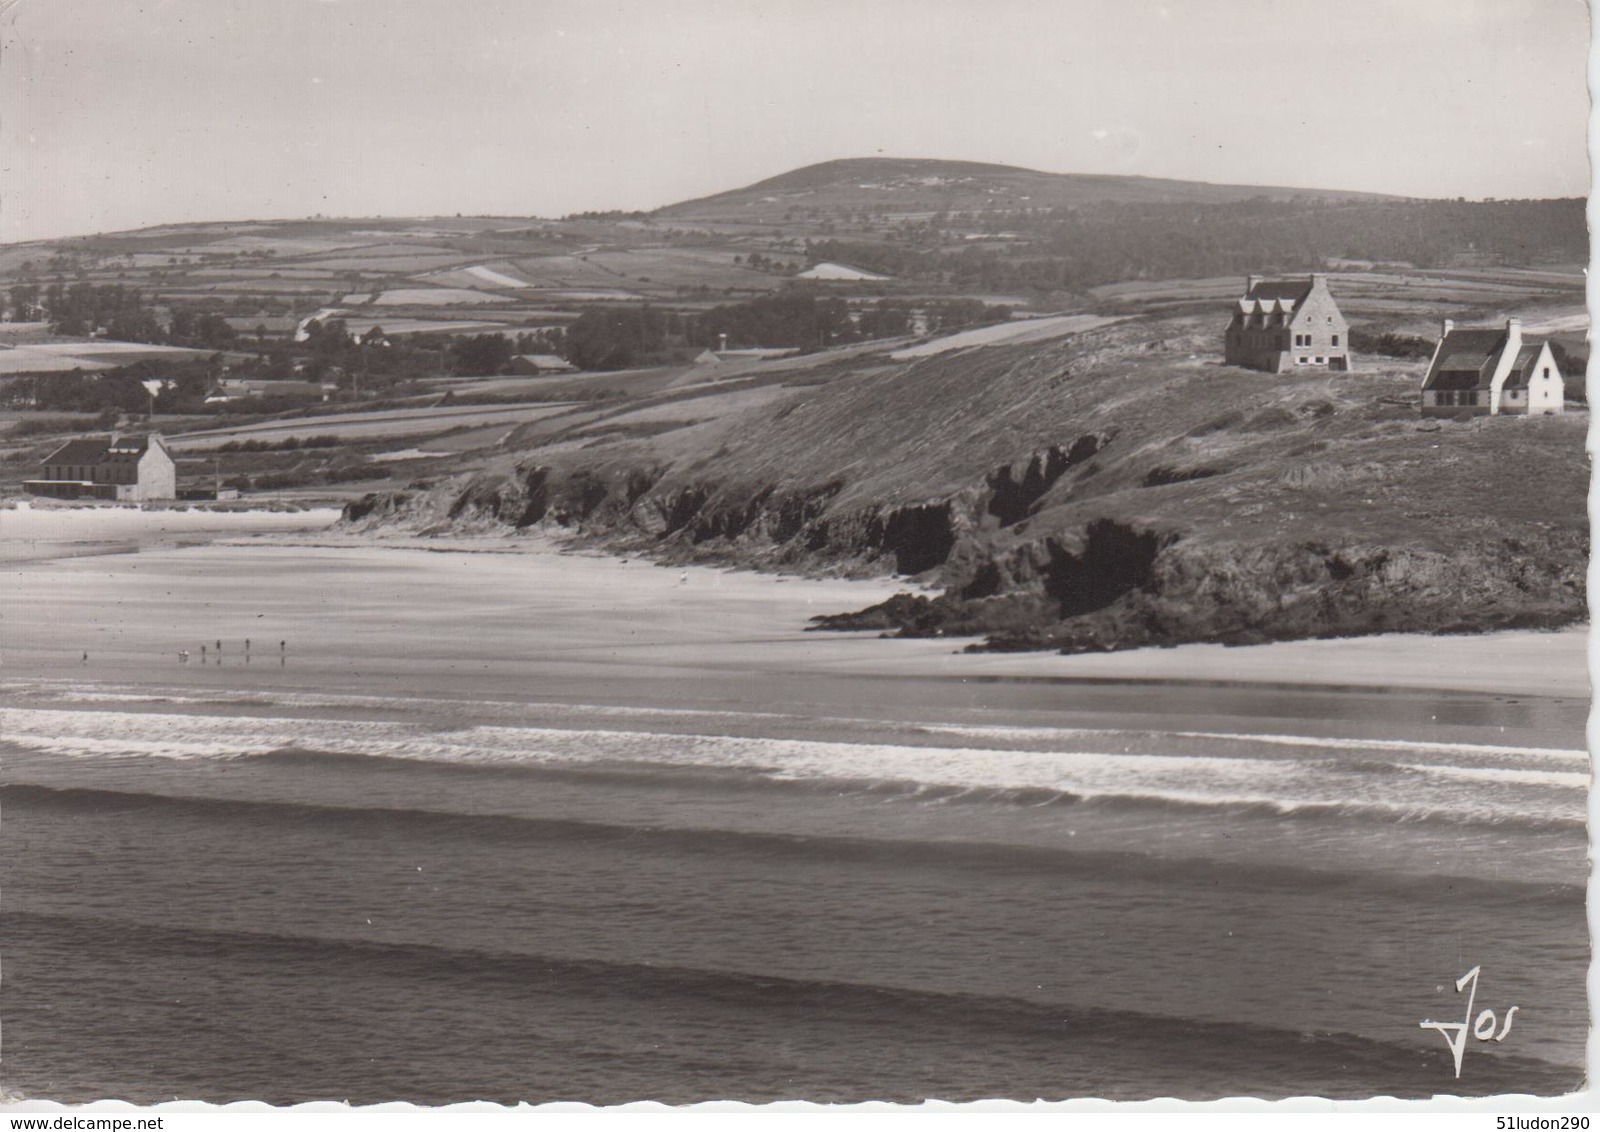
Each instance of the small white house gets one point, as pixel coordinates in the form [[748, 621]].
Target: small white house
[[1491, 372]]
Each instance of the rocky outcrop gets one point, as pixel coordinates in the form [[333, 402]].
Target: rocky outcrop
[[1107, 582], [1013, 497]]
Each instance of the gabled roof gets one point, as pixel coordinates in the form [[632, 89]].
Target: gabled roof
[[1294, 290], [128, 446], [100, 450], [1273, 297], [1522, 369], [1466, 359], [83, 450]]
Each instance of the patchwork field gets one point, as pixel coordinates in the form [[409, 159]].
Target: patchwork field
[[918, 233], [494, 277], [1005, 334], [89, 355], [1413, 302], [25, 359], [364, 426], [434, 296]]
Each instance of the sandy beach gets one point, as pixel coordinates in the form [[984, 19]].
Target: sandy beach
[[38, 532], [652, 619], [343, 810]]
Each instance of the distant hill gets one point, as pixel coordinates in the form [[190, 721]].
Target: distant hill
[[926, 185]]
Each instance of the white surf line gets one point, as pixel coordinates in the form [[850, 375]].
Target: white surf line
[[1335, 743], [1197, 780], [107, 732], [1393, 745], [89, 694], [1567, 779]]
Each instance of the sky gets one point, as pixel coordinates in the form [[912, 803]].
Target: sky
[[118, 114]]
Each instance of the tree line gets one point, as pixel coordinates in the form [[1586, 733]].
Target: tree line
[[1090, 245], [613, 338], [120, 311]]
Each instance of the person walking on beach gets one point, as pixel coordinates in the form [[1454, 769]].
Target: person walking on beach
[[202, 654], [85, 658]]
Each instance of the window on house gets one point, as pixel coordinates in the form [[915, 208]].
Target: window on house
[[1469, 397], [1444, 397], [1547, 371], [1321, 360], [1300, 361], [1335, 339]]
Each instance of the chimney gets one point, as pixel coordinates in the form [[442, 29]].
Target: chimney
[[1513, 334], [1448, 327], [1319, 279], [1250, 283]]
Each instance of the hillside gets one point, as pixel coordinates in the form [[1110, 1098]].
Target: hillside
[[911, 231], [1112, 488], [914, 185]]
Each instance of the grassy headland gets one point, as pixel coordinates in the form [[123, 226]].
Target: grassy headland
[[1111, 489]]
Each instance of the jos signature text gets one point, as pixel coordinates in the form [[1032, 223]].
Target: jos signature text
[[1485, 1027]]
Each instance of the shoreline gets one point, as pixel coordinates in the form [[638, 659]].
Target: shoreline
[[1366, 664], [1514, 663]]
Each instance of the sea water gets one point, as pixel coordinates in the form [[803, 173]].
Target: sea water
[[291, 895]]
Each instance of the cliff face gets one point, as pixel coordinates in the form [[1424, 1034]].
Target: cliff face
[[1105, 492]]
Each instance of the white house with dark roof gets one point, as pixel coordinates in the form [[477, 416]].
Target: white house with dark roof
[[1491, 371], [1284, 325], [134, 468]]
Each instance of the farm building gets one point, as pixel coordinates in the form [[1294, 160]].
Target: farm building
[[1283, 325], [118, 467], [532, 365], [236, 389], [1491, 371]]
